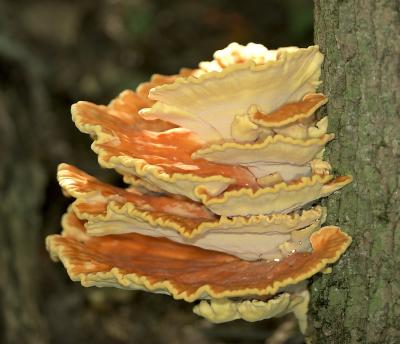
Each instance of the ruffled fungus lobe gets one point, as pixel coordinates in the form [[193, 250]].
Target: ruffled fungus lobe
[[111, 210], [186, 272], [223, 165], [223, 310]]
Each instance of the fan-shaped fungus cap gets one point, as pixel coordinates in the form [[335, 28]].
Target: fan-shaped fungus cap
[[289, 112], [208, 104], [111, 210], [164, 159], [276, 149], [134, 261], [282, 197], [160, 158]]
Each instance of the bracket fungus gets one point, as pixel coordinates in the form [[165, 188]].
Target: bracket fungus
[[224, 168]]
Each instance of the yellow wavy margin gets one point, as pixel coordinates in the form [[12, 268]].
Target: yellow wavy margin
[[302, 115], [64, 174], [288, 221], [298, 241], [129, 209], [270, 140], [224, 310], [284, 56], [138, 183], [141, 168], [305, 181], [117, 278]]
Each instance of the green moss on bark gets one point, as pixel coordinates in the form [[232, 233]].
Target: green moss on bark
[[360, 301]]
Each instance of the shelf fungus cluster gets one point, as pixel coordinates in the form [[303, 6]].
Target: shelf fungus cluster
[[223, 166]]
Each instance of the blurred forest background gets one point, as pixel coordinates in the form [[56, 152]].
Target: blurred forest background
[[54, 53]]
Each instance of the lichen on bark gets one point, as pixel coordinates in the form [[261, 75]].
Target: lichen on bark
[[360, 301]]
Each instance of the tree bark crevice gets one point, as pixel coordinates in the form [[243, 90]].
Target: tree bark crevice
[[358, 303]]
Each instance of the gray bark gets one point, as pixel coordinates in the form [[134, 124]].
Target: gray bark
[[360, 301]]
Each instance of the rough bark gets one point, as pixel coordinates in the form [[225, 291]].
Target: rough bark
[[360, 301]]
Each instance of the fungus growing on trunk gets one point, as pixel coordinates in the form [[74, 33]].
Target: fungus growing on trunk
[[224, 168]]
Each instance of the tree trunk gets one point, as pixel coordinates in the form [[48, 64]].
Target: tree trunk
[[360, 301]]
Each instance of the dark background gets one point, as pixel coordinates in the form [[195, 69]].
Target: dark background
[[54, 53]]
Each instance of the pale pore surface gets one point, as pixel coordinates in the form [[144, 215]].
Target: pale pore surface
[[209, 104], [224, 310], [248, 243]]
